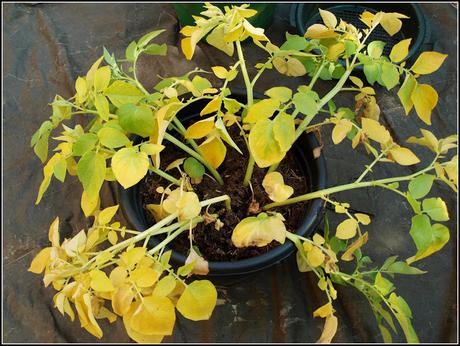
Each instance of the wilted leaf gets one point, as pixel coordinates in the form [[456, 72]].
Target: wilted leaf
[[259, 231], [186, 204], [274, 186]]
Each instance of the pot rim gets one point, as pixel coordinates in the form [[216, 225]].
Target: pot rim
[[311, 218]]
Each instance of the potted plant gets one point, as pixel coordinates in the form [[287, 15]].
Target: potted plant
[[137, 280]]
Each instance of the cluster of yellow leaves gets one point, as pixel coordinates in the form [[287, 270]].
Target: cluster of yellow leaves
[[141, 288], [224, 28]]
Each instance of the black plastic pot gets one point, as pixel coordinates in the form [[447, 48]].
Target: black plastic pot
[[313, 169], [416, 27]]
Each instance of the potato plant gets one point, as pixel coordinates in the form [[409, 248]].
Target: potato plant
[[142, 287]]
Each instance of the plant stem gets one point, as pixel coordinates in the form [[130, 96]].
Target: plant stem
[[164, 175], [247, 82], [194, 154], [316, 76], [346, 187], [369, 168]]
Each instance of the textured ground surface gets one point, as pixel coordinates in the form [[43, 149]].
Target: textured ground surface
[[46, 46]]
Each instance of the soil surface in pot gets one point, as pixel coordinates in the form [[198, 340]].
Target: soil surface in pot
[[216, 245]]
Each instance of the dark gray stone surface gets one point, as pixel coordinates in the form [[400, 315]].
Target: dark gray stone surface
[[46, 46]]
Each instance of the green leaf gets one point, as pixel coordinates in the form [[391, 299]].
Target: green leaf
[[156, 49], [420, 186], [390, 75], [129, 166], [284, 131], [295, 42], [372, 72], [131, 51], [403, 268], [91, 172], [263, 109], [428, 239], [84, 143], [305, 103], [436, 208], [403, 315], [383, 285], [40, 140], [185, 269], [405, 92], [375, 49], [120, 93], [112, 138], [283, 94], [194, 168], [136, 119], [144, 40], [414, 203]]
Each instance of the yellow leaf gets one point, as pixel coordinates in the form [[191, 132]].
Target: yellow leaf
[[92, 72], [320, 31], [187, 47], [318, 239], [102, 78], [348, 254], [100, 282], [263, 109], [107, 214], [274, 186], [216, 39], [391, 23], [92, 239], [165, 286], [367, 18], [81, 89], [329, 330], [157, 211], [263, 145], [425, 98], [200, 128], [89, 203], [323, 311], [118, 276], [144, 276], [315, 257], [347, 229], [198, 300], [289, 66], [214, 151], [340, 130], [188, 30], [212, 106], [234, 34], [335, 50], [328, 18], [186, 204], [220, 71], [375, 131], [400, 50], [85, 313], [75, 245], [122, 298], [403, 156], [40, 261], [153, 315], [136, 336], [53, 233], [132, 257], [112, 237], [356, 81], [129, 166], [428, 62], [106, 313], [255, 33], [363, 218], [259, 231]]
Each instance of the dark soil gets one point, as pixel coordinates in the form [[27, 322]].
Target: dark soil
[[216, 245]]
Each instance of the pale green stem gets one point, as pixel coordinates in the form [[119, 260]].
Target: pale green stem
[[346, 187], [196, 155], [164, 175], [377, 159], [316, 76]]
